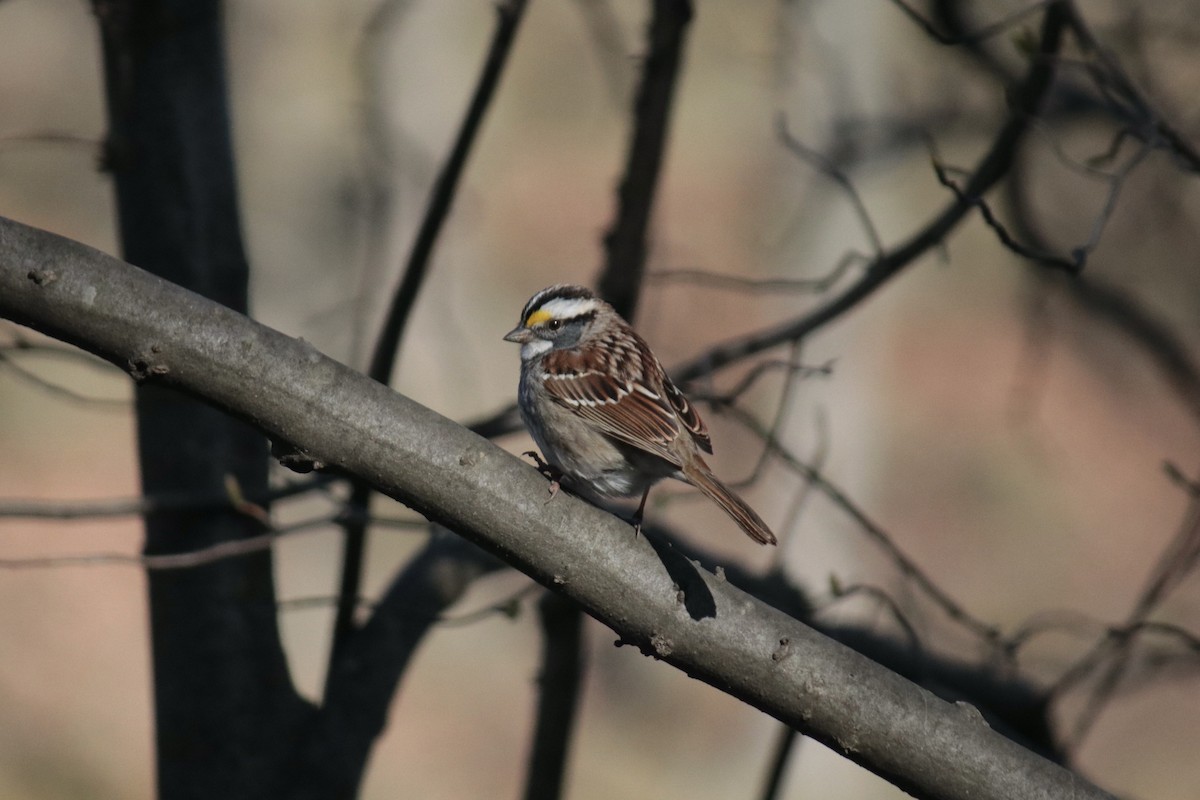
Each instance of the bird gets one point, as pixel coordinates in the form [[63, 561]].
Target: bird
[[600, 407]]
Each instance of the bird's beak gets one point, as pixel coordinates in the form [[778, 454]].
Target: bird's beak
[[519, 334]]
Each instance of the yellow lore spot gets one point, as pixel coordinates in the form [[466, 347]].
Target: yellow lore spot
[[537, 317]]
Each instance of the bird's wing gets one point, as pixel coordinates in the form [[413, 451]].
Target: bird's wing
[[642, 409]]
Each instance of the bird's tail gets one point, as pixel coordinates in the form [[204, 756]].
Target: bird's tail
[[700, 476]]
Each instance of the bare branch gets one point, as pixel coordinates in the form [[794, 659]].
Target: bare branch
[[1044, 258], [335, 747], [558, 696], [830, 170], [51, 137], [884, 599], [508, 18], [1026, 100], [1177, 477], [63, 392], [605, 28], [784, 748], [738, 283], [792, 369], [229, 548], [1180, 559], [1145, 121], [783, 408], [625, 243], [508, 607], [906, 565], [1110, 304], [152, 504], [1080, 253], [930, 748], [985, 32]]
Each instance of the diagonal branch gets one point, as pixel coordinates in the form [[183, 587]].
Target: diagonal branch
[[161, 333]]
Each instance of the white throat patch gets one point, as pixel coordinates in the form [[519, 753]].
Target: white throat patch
[[534, 348]]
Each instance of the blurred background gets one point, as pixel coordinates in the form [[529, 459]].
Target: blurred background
[[1008, 435]]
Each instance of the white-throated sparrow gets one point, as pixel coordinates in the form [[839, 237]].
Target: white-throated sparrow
[[602, 409]]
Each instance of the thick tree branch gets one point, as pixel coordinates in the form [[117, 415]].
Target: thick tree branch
[[716, 633]]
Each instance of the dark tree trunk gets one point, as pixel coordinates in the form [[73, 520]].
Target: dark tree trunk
[[224, 703]]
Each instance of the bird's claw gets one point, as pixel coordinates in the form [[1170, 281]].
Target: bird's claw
[[551, 473]]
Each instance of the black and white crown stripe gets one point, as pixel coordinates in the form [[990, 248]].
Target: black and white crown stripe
[[562, 302]]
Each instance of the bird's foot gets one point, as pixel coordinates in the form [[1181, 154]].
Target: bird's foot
[[637, 515], [551, 473]]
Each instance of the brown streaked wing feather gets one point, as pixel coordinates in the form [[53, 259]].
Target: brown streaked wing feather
[[619, 410], [688, 415], [657, 380]]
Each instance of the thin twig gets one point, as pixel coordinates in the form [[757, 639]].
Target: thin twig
[[608, 42], [64, 392], [906, 565], [740, 283], [506, 607], [1147, 121], [1180, 558], [881, 597], [783, 408], [983, 33], [1175, 473], [153, 504], [230, 548], [1044, 258], [829, 169], [1075, 622], [1026, 100], [804, 491], [755, 374], [1110, 304], [1080, 253], [55, 138], [508, 18], [201, 556]]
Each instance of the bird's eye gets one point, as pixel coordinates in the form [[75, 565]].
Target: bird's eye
[[554, 324]]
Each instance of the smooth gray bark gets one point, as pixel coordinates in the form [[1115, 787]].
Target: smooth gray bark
[[711, 630]]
